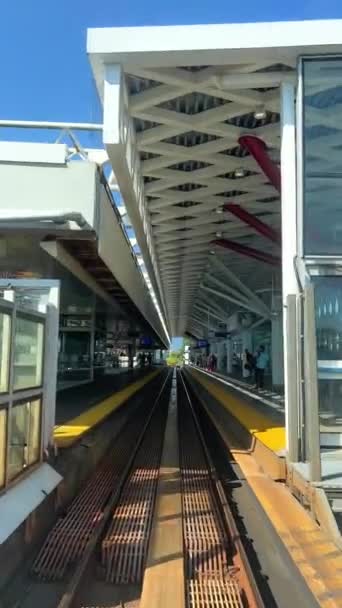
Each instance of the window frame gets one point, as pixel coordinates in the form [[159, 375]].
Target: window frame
[[28, 467], [36, 318], [300, 162], [7, 310], [15, 397]]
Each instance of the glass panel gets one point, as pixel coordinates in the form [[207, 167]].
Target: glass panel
[[17, 441], [32, 298], [322, 155], [74, 360], [33, 443], [5, 341], [24, 438], [28, 354], [3, 425], [328, 312]]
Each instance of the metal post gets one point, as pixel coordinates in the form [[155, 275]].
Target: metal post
[[50, 365], [292, 396], [277, 348], [289, 220], [311, 385]]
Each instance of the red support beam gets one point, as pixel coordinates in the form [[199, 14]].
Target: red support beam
[[257, 148], [249, 252], [254, 222]]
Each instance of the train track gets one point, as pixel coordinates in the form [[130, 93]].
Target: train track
[[217, 571], [95, 556]]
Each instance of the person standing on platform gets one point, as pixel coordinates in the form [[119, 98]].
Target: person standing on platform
[[246, 368], [260, 366], [149, 359], [248, 363], [214, 363]]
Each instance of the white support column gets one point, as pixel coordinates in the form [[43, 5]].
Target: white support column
[[220, 355], [229, 347], [50, 364], [289, 219], [277, 350]]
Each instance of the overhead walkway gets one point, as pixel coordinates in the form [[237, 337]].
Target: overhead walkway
[[81, 409]]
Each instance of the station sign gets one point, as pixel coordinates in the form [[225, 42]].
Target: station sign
[[146, 342], [202, 343]]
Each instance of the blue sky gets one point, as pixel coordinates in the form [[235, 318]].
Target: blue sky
[[176, 343], [44, 67]]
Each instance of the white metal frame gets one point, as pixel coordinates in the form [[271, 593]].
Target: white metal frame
[[46, 391], [313, 264], [289, 235]]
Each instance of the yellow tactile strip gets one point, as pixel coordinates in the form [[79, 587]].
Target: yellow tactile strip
[[67, 434], [257, 423]]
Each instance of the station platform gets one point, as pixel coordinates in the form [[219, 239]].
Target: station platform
[[262, 414], [79, 409], [258, 414]]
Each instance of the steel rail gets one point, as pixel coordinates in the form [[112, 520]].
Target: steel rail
[[244, 572]]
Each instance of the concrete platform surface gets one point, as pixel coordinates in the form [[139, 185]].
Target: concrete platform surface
[[73, 401]]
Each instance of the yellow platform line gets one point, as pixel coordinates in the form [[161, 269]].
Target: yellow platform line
[[257, 423], [66, 434]]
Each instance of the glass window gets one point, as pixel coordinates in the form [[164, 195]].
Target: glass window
[[28, 353], [328, 313], [322, 156], [5, 341], [32, 298], [17, 441], [24, 436], [33, 443], [3, 425]]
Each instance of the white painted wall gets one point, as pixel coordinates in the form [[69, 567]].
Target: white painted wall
[[31, 189]]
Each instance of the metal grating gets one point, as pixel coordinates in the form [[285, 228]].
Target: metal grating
[[124, 549], [221, 594], [209, 574], [68, 538]]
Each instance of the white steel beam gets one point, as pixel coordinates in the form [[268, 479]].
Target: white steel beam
[[234, 280], [231, 291], [229, 298], [212, 313], [119, 139]]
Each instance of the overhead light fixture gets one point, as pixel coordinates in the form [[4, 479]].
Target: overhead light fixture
[[219, 234], [219, 210], [212, 251], [260, 114], [240, 172]]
